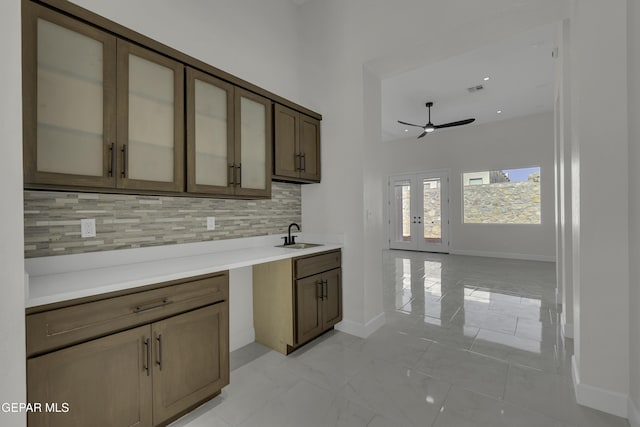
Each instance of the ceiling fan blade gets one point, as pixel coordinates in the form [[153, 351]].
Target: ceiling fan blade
[[422, 134], [410, 124], [458, 123]]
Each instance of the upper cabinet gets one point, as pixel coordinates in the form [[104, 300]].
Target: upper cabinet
[[107, 109], [296, 146], [150, 120], [96, 118], [69, 86], [210, 142], [252, 144], [228, 138]]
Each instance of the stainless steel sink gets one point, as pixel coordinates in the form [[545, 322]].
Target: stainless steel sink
[[299, 245]]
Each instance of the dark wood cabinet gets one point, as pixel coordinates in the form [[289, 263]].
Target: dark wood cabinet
[[310, 148], [296, 146], [69, 101], [210, 134], [105, 109], [150, 109], [105, 382], [139, 359], [286, 149], [98, 111], [228, 139], [253, 136], [294, 301], [191, 359], [332, 303], [309, 308], [318, 304]]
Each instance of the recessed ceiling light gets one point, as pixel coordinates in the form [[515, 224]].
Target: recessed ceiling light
[[486, 78], [406, 130], [499, 111]]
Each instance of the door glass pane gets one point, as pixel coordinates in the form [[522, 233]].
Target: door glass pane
[[211, 134], [151, 120], [402, 207], [69, 111], [253, 136], [432, 212]]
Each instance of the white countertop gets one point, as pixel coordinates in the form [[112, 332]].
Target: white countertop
[[61, 278]]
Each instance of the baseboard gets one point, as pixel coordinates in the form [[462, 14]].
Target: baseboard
[[361, 330], [597, 398], [509, 255], [567, 327], [634, 413], [238, 339]]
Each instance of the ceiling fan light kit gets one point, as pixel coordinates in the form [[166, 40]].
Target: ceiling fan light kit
[[430, 127]]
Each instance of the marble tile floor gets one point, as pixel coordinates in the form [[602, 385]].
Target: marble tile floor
[[468, 341]]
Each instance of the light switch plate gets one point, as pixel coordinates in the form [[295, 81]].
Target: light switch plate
[[211, 223], [88, 227]]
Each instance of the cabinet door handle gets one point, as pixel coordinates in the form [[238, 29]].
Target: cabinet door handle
[[141, 308], [325, 289], [124, 160], [147, 352], [231, 177], [239, 174], [320, 289], [303, 157], [112, 163], [159, 361], [298, 162]]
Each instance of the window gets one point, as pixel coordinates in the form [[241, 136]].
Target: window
[[509, 196]]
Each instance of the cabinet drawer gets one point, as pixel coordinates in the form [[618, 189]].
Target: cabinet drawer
[[58, 328], [314, 264]]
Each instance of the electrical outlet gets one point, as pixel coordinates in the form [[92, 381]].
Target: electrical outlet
[[211, 223], [88, 227]]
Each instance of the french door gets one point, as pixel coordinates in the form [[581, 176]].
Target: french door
[[419, 211]]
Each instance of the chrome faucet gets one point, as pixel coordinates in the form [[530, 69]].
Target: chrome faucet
[[291, 240]]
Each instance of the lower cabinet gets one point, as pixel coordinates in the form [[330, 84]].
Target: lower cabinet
[[332, 303], [104, 382], [190, 361], [318, 304], [144, 376], [296, 300]]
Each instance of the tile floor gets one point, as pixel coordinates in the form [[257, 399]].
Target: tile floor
[[468, 341]]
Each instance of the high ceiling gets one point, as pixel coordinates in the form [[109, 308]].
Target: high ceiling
[[521, 74]]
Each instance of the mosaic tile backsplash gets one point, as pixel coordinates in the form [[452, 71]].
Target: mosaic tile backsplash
[[52, 219]]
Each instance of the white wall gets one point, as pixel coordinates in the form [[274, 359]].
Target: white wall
[[600, 134], [348, 48], [12, 356], [507, 144], [254, 40], [633, 49]]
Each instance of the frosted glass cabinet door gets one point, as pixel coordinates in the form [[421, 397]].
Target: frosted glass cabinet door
[[150, 120], [69, 79], [210, 150], [253, 144]]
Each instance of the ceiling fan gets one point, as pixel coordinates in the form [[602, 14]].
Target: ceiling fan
[[430, 127]]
